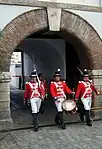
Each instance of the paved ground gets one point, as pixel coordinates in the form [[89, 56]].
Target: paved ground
[[76, 136], [22, 117]]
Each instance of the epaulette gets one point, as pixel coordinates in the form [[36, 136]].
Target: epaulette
[[51, 81], [80, 81], [64, 81], [27, 82]]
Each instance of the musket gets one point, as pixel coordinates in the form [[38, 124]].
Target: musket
[[80, 70], [39, 82]]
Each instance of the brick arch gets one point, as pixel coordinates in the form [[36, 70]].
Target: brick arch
[[36, 20], [80, 28], [18, 29]]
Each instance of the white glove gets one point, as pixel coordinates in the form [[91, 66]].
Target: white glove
[[55, 98], [46, 95], [98, 92], [60, 100], [42, 97], [73, 93]]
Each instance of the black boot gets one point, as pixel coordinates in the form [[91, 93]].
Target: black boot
[[42, 107], [35, 115], [57, 120], [63, 126], [81, 111], [81, 118], [81, 115], [88, 121]]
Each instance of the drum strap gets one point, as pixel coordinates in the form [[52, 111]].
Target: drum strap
[[60, 89]]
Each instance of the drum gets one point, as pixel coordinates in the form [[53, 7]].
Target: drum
[[69, 106]]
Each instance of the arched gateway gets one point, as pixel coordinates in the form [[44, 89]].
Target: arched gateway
[[34, 21]]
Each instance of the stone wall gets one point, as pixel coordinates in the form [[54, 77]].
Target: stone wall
[[97, 78], [5, 114]]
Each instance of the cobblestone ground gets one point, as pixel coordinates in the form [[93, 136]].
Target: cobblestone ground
[[76, 136]]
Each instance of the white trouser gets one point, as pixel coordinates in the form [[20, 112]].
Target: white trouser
[[87, 103], [58, 104], [35, 104]]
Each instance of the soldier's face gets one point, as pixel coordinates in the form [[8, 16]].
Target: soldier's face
[[57, 78], [34, 79], [86, 78]]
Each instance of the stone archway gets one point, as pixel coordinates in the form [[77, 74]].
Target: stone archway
[[28, 23], [85, 32]]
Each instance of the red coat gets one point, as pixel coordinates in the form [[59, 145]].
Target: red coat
[[81, 91], [33, 90], [45, 86], [59, 89]]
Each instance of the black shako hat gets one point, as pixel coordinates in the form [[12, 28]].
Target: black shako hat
[[57, 73], [33, 74], [85, 73]]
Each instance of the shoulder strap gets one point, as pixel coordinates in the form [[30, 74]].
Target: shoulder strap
[[32, 85], [60, 89], [34, 91], [86, 89]]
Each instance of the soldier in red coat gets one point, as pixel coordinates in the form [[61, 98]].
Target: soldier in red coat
[[84, 93], [43, 81], [35, 93], [58, 91]]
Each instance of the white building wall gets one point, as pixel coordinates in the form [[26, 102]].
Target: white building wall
[[9, 12], [82, 2], [15, 73], [28, 65]]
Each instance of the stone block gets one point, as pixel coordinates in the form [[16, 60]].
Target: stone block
[[94, 72], [54, 16], [5, 87], [5, 115], [4, 105], [4, 96], [100, 71], [5, 76], [98, 115], [96, 82], [98, 101], [6, 124]]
